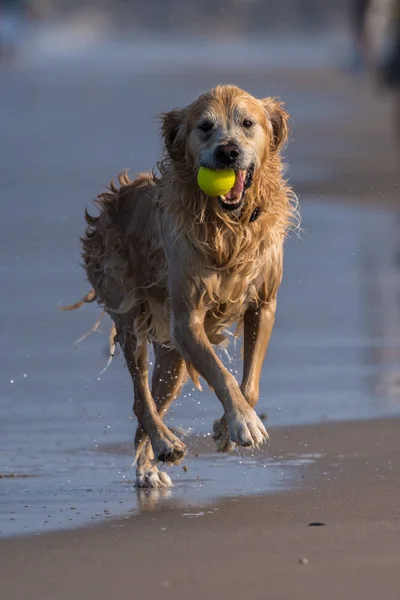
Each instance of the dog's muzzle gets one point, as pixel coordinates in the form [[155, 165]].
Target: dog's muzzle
[[233, 200]]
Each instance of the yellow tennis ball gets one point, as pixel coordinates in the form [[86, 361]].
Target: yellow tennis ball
[[216, 183]]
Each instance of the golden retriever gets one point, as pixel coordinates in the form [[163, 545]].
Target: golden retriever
[[176, 268]]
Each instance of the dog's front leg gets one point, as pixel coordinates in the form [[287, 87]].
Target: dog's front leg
[[258, 324], [244, 426]]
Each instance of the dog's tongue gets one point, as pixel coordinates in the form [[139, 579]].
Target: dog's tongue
[[236, 192]]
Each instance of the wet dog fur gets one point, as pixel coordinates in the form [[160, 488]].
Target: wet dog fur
[[176, 268]]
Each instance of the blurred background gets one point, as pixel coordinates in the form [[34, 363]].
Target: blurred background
[[81, 88], [339, 58]]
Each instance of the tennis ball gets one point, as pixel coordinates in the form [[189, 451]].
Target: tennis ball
[[216, 183]]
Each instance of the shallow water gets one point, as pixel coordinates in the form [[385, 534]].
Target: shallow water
[[335, 349]]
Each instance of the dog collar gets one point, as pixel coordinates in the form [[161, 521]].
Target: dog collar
[[255, 214]]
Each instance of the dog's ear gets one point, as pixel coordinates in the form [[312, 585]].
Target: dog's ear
[[279, 119], [173, 132]]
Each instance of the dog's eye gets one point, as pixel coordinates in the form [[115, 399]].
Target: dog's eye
[[206, 126], [247, 123]]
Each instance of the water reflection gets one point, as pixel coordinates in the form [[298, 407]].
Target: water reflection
[[381, 289]]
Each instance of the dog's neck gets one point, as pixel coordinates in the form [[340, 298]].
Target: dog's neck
[[187, 196], [228, 239]]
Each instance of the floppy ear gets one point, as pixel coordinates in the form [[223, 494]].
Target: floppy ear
[[279, 120], [172, 130]]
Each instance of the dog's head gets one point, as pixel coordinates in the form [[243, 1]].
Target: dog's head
[[226, 128]]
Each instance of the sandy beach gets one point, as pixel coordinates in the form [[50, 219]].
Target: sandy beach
[[336, 534], [315, 513]]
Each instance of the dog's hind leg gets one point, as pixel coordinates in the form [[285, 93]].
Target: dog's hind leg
[[169, 376], [166, 446]]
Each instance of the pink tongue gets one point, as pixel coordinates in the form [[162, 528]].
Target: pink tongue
[[236, 192]]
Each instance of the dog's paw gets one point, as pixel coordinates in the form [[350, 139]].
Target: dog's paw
[[152, 479], [246, 428], [147, 474], [221, 435], [168, 448]]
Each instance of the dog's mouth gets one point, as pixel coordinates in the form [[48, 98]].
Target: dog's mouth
[[233, 200]]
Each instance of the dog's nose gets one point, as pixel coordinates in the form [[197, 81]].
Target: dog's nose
[[227, 153]]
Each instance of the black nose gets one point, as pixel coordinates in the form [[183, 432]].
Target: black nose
[[227, 153]]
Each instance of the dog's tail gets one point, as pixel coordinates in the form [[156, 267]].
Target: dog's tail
[[89, 297]]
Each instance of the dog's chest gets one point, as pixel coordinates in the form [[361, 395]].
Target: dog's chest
[[230, 292]]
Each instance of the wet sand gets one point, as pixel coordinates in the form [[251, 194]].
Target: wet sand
[[72, 119], [267, 546]]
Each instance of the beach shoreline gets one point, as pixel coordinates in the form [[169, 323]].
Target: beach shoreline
[[336, 533]]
